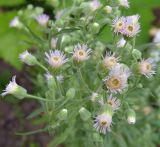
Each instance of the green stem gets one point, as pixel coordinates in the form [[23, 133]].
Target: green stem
[[43, 67], [38, 98]]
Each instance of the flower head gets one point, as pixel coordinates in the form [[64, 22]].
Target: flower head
[[124, 3], [147, 67], [104, 120], [14, 89], [81, 52], [95, 4], [113, 102], [28, 58], [116, 82], [110, 60], [132, 27], [56, 58], [42, 19], [119, 24]]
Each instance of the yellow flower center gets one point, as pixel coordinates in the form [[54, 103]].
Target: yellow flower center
[[110, 102], [147, 67], [114, 83], [109, 62], [55, 59], [130, 28], [119, 25], [81, 53], [103, 123]]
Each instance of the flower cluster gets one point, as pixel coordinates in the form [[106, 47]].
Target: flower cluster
[[128, 26]]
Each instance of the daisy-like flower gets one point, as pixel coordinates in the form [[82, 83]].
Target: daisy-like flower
[[132, 26], [15, 22], [56, 58], [116, 82], [95, 4], [113, 102], [110, 60], [124, 3], [119, 24], [104, 120], [81, 52], [14, 89], [54, 42], [28, 58], [121, 43], [42, 19], [147, 67]]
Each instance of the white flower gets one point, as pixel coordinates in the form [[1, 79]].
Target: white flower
[[103, 122], [56, 58], [81, 52], [42, 19], [15, 22], [113, 102], [54, 42], [11, 87], [108, 9], [124, 3], [116, 82], [119, 24], [121, 43], [110, 60], [28, 58], [95, 4], [132, 27], [147, 67]]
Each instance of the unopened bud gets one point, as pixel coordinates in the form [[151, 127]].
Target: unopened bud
[[94, 28], [131, 116], [108, 9], [70, 93], [121, 43], [84, 114], [136, 54], [62, 115]]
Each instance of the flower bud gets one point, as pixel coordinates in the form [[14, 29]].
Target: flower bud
[[62, 115], [121, 43], [28, 58], [84, 114], [108, 9], [131, 116], [50, 80], [30, 7], [136, 54], [14, 89], [94, 28], [70, 93]]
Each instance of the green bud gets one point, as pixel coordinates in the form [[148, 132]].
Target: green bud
[[39, 10], [20, 92], [62, 115], [140, 85], [30, 7], [70, 93], [84, 114], [136, 54], [94, 28], [131, 116], [20, 13]]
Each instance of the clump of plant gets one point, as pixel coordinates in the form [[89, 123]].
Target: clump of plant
[[86, 84]]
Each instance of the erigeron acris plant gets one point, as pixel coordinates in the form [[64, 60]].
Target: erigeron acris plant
[[86, 82]]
